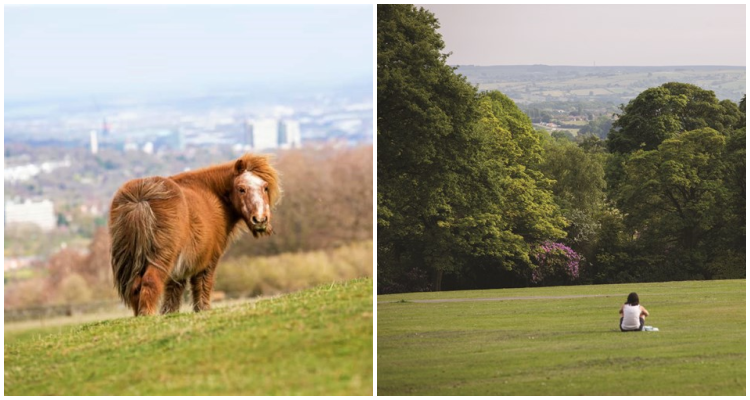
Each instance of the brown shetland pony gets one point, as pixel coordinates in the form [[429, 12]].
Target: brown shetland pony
[[166, 231]]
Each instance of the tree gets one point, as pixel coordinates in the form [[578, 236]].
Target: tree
[[598, 127], [733, 235], [677, 200], [663, 112], [512, 206], [424, 116], [565, 135], [506, 206], [458, 188], [592, 144], [578, 176], [577, 172], [742, 112]]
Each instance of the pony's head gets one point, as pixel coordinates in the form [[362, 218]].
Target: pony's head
[[254, 192]]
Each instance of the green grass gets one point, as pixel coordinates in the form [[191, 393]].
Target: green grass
[[314, 342], [569, 346]]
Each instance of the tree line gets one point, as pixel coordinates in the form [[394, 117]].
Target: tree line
[[470, 195]]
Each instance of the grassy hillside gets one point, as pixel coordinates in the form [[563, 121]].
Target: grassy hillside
[[538, 343], [313, 342]]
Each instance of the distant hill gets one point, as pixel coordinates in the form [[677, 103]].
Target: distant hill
[[539, 83]]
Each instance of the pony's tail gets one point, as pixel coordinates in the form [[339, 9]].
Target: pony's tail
[[132, 226]]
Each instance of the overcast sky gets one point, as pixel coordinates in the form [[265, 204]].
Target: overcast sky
[[63, 50], [584, 35]]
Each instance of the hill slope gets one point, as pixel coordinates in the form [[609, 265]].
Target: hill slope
[[313, 342], [564, 341]]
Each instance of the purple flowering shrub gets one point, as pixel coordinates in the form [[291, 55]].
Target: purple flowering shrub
[[555, 263]]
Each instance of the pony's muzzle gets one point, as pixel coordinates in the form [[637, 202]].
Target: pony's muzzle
[[259, 224]]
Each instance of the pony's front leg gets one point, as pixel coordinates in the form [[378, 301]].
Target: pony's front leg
[[173, 296], [202, 284]]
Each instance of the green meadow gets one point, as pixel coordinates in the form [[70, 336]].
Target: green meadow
[[314, 342], [563, 341]]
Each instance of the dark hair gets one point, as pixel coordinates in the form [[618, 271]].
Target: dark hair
[[633, 299]]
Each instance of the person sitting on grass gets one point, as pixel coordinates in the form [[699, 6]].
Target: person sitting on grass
[[632, 314]]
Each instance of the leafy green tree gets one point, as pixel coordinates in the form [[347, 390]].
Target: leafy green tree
[[424, 118], [732, 240], [561, 134], [514, 152], [742, 111], [457, 188], [508, 204], [598, 127], [612, 258], [578, 175], [663, 112], [677, 200], [593, 144], [578, 188]]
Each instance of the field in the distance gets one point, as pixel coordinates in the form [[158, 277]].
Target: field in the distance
[[537, 83], [564, 341], [314, 342]]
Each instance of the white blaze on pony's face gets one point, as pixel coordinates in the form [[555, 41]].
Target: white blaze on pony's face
[[253, 203]]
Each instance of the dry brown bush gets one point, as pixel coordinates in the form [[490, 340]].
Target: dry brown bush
[[26, 293], [74, 289], [327, 202], [293, 271]]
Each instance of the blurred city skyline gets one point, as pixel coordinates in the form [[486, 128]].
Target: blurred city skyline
[[84, 50]]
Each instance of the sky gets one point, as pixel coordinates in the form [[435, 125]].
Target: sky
[[64, 50], [587, 35]]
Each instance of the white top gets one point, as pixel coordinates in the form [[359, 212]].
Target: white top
[[630, 316]]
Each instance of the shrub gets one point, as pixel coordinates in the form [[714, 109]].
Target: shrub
[[555, 264], [254, 276], [74, 289], [28, 292]]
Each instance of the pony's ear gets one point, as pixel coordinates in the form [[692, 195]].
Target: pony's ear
[[239, 166]]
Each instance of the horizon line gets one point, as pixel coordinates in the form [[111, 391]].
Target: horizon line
[[597, 66]]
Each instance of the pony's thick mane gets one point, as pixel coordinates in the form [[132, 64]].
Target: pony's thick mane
[[219, 177], [260, 165]]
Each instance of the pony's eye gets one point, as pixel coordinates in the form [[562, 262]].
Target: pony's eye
[[242, 190], [265, 189]]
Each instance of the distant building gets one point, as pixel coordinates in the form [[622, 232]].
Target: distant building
[[129, 145], [11, 263], [25, 172], [94, 143], [262, 134], [177, 140], [153, 140], [148, 148], [40, 213], [289, 134]]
